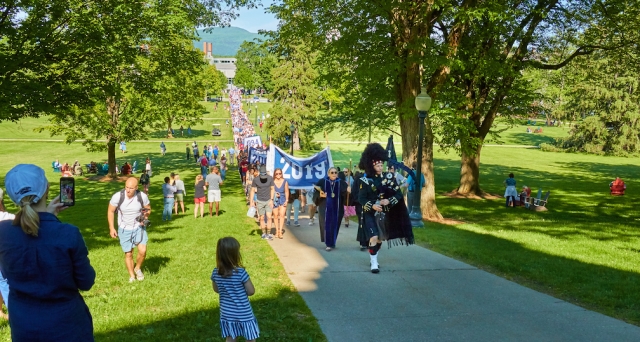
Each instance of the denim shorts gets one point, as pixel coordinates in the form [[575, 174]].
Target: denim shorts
[[132, 237]]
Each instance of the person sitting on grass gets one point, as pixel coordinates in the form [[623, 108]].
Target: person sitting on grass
[[126, 169], [66, 170], [617, 187]]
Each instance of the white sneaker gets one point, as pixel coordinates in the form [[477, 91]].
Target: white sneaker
[[139, 275], [132, 279], [311, 222]]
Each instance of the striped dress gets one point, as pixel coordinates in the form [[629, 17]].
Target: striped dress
[[236, 315]]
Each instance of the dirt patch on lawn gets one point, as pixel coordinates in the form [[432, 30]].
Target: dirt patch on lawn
[[484, 195], [107, 178]]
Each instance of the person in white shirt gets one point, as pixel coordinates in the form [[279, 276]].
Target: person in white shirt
[[180, 193], [133, 208]]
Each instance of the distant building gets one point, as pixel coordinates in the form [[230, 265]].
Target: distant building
[[224, 64]]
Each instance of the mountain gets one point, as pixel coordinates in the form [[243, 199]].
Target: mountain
[[226, 40]]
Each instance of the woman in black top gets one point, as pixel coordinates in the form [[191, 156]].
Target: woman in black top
[[198, 195]]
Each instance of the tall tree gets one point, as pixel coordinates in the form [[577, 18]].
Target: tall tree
[[296, 96], [505, 39], [45, 42], [213, 80], [141, 42], [390, 44], [42, 43], [605, 91], [254, 64]]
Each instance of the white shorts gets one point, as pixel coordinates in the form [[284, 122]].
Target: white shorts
[[214, 196]]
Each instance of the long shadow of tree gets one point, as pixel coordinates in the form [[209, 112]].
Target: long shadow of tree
[[274, 316]]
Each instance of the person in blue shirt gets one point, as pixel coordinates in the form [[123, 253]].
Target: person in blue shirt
[[412, 187], [510, 192], [46, 264]]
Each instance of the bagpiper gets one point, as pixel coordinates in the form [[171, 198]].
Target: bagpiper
[[382, 203]]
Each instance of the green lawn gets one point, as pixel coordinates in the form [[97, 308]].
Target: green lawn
[[175, 302], [585, 249]]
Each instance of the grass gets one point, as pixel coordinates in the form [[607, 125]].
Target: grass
[[585, 249], [175, 301]]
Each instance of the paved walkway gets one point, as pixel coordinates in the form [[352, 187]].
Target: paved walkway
[[420, 295]]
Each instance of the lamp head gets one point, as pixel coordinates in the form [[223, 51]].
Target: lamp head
[[293, 128], [423, 101]]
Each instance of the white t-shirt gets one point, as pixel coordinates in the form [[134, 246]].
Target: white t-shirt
[[129, 210]]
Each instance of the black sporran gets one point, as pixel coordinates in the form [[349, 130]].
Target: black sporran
[[381, 222]]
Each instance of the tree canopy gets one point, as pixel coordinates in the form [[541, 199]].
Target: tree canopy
[[254, 63], [296, 96]]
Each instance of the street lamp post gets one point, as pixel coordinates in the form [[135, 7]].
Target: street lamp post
[[423, 103], [257, 123], [293, 130]]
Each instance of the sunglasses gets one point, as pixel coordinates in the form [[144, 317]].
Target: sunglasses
[[278, 173], [333, 172]]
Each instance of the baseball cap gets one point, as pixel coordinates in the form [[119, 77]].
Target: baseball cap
[[25, 180], [263, 172]]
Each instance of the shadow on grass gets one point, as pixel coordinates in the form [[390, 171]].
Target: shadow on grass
[[154, 264], [531, 138], [611, 291], [195, 134], [275, 317]]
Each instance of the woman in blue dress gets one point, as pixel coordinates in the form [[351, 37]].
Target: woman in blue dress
[[331, 193], [46, 264], [281, 187]]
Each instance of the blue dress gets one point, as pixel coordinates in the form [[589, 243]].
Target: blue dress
[[236, 315], [279, 201], [46, 274]]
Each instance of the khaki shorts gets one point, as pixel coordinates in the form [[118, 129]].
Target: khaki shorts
[[179, 197], [263, 207], [214, 196]]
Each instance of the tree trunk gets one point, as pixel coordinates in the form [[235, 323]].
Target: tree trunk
[[407, 90], [169, 134], [470, 173], [111, 157], [296, 141]]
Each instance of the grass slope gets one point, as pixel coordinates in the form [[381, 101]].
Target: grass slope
[[175, 301], [585, 249]]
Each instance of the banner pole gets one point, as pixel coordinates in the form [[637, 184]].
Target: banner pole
[[348, 193]]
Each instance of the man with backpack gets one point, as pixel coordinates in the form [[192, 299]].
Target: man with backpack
[[133, 209]]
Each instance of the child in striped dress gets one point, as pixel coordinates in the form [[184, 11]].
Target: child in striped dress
[[232, 282]]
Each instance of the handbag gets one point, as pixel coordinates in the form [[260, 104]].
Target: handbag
[[251, 212], [349, 211]]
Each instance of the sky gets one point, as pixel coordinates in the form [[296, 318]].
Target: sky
[[255, 19]]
